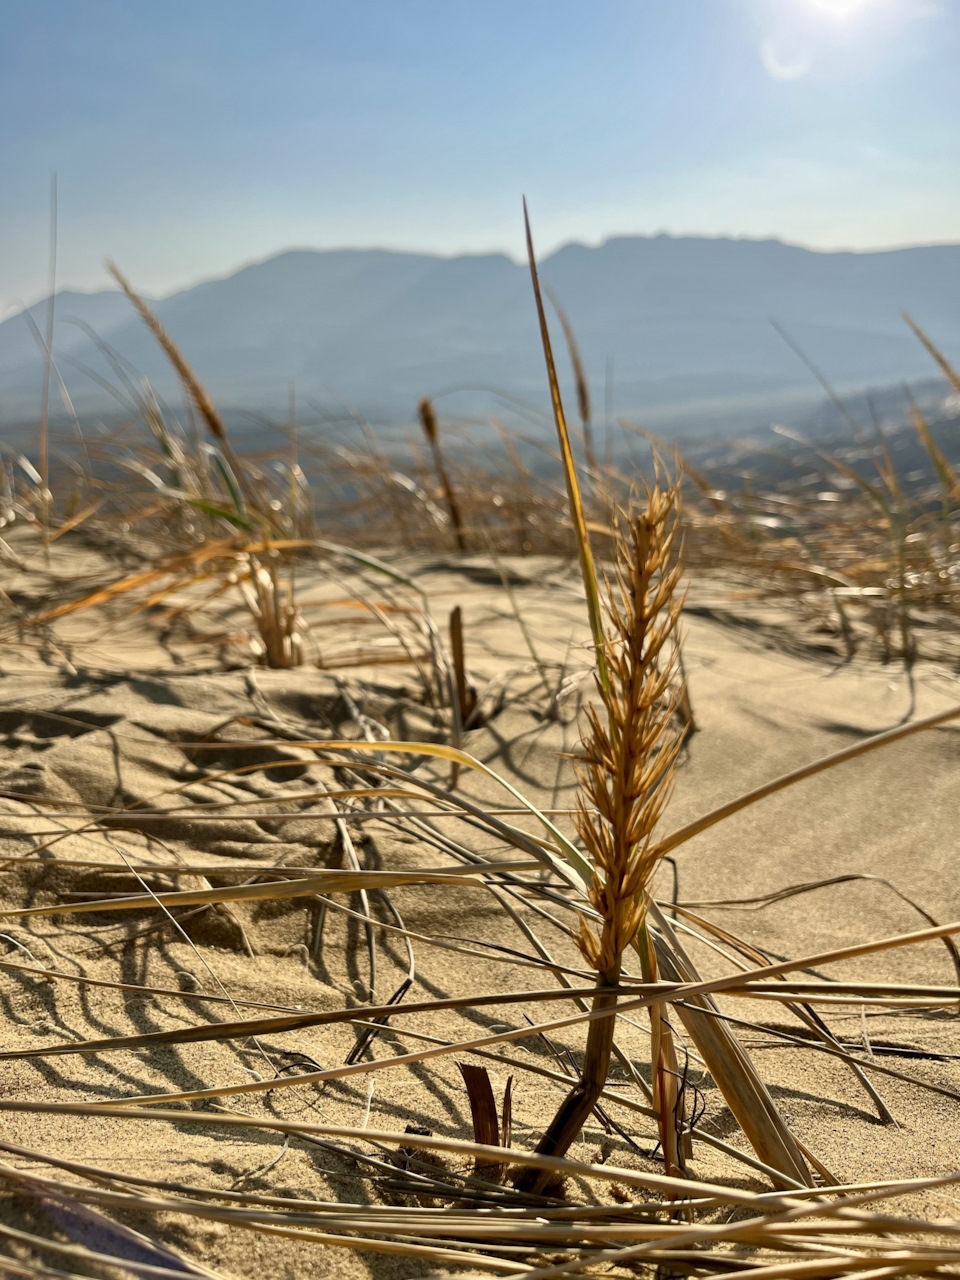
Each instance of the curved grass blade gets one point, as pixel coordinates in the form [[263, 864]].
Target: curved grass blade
[[268, 891], [685, 833]]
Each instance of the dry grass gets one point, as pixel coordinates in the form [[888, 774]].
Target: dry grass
[[865, 553], [630, 749], [207, 522]]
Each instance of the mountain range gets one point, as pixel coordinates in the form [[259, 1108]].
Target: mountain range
[[676, 330]]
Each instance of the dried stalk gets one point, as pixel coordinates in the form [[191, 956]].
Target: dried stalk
[[45, 494], [192, 385], [580, 380], [428, 420], [630, 745]]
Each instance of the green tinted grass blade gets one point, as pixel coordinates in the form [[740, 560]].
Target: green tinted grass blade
[[237, 518], [212, 509], [228, 478], [369, 561]]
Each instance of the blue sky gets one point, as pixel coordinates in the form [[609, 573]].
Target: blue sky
[[194, 135]]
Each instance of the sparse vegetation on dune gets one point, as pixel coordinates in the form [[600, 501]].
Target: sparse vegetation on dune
[[862, 549], [604, 972]]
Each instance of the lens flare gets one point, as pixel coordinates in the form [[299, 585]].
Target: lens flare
[[840, 9]]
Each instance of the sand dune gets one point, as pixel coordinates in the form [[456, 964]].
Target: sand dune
[[99, 718]]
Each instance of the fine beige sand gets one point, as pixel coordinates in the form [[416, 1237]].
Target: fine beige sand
[[105, 711]]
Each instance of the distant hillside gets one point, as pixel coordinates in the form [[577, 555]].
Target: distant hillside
[[683, 323]]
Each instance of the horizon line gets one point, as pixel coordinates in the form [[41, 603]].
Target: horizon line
[[17, 305]]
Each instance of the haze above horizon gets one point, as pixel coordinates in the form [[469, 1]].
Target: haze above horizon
[[192, 139]]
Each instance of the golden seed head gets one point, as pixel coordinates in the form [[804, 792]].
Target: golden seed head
[[631, 740]]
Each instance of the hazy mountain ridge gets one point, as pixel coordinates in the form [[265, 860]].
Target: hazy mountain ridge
[[685, 323]]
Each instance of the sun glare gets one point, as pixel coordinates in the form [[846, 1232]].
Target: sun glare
[[840, 9]]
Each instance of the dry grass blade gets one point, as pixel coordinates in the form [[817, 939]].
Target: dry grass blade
[[946, 474], [947, 369], [588, 570], [795, 890], [428, 420], [45, 494], [483, 1107], [261, 840], [580, 379], [630, 749], [291, 1022], [117, 1245], [54, 975], [269, 891], [466, 694], [175, 564], [656, 1182], [561, 853], [676, 838], [204, 405], [645, 778], [731, 1067]]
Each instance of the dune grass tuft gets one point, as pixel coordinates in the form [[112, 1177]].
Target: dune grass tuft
[[572, 918], [630, 747]]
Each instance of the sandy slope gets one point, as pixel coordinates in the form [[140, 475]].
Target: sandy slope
[[102, 717]]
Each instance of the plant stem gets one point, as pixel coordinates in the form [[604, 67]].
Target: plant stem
[[575, 1110]]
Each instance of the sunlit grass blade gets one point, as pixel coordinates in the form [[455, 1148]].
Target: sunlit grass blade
[[946, 368], [587, 567]]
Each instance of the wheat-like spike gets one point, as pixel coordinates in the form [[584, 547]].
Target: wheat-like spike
[[193, 386], [428, 421], [630, 747], [631, 742], [205, 406]]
